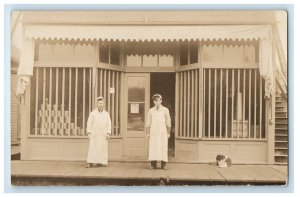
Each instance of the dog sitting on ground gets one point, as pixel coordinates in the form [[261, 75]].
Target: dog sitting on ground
[[223, 161]]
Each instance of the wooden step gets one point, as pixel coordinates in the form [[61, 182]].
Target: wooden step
[[279, 106], [280, 164], [280, 98], [279, 155], [281, 121], [281, 138], [281, 160], [283, 129], [281, 134], [281, 151], [283, 115], [281, 144], [281, 148], [281, 111]]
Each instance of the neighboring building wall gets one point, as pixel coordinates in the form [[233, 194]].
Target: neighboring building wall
[[15, 111]]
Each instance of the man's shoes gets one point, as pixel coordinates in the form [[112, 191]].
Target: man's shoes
[[89, 165], [152, 168]]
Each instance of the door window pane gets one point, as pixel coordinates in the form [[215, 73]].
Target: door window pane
[[136, 89], [136, 103], [136, 117]]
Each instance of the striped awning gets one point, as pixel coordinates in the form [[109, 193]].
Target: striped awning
[[147, 33]]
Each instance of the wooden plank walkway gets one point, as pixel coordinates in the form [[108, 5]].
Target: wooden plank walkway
[[177, 172]]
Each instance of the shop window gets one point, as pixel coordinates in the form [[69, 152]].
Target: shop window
[[149, 54], [104, 53], [184, 54], [188, 104], [115, 54], [188, 53], [234, 104], [193, 52], [61, 100]]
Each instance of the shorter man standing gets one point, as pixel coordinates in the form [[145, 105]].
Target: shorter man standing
[[98, 130], [158, 128]]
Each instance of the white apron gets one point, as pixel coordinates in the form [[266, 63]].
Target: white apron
[[158, 142], [99, 124]]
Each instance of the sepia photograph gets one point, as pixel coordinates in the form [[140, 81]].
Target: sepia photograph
[[149, 98]]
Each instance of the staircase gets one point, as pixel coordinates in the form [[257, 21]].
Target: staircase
[[281, 130]]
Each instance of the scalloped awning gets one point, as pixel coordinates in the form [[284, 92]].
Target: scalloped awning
[[147, 33]]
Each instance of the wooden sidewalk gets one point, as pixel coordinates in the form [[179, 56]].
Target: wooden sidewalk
[[126, 173]]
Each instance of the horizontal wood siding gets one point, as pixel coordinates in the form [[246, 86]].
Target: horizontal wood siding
[[15, 111]]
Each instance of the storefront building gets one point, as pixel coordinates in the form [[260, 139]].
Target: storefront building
[[215, 75]]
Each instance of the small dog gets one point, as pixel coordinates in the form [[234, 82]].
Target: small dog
[[223, 161]]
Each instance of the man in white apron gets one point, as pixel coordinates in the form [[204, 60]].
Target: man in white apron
[[158, 128], [98, 130]]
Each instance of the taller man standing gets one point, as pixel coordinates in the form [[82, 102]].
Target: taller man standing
[[98, 130], [158, 128]]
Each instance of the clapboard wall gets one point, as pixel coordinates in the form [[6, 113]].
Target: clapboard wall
[[15, 111]]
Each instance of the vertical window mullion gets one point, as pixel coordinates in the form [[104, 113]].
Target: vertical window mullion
[[63, 102], [44, 102], [221, 100], [226, 110], [238, 106], [36, 101], [209, 100], [243, 108], [249, 105], [56, 103], [83, 105], [260, 106], [204, 108], [255, 104], [50, 103], [68, 115], [215, 103], [232, 102], [188, 104]]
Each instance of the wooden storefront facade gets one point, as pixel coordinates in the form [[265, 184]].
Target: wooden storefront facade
[[212, 87]]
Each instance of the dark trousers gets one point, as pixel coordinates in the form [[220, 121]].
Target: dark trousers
[[154, 164]]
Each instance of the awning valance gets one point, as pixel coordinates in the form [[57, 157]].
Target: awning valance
[[147, 33]]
